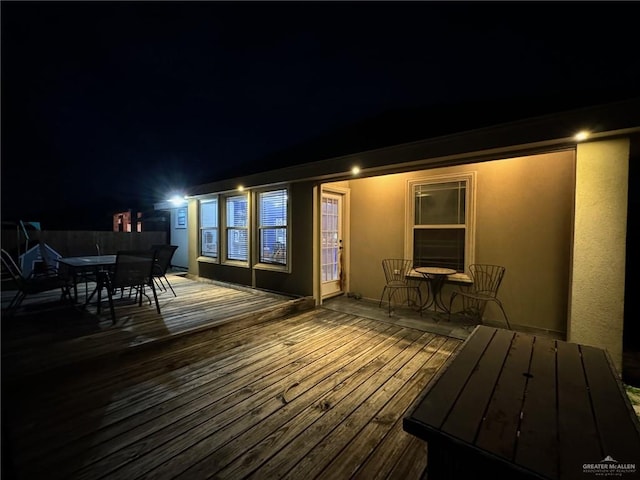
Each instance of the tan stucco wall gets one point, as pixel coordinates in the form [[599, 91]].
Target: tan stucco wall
[[524, 210], [597, 283]]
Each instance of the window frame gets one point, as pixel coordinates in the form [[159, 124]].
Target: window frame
[[257, 234], [469, 178], [209, 258], [224, 239]]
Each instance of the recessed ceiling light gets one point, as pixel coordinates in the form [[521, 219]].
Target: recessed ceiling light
[[581, 135]]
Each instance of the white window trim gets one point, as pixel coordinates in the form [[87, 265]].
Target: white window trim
[[224, 230], [470, 215], [202, 257], [255, 236]]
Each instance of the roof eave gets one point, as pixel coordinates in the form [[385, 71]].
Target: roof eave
[[554, 131]]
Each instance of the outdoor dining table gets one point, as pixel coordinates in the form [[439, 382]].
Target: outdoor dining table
[[435, 277], [79, 266]]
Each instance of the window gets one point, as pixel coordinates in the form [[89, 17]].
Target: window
[[440, 224], [209, 228], [236, 209], [243, 229], [272, 226]]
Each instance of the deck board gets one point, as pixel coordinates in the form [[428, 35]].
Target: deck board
[[291, 439], [70, 336], [313, 394], [146, 390]]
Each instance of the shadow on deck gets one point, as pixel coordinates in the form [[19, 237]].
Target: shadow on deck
[[45, 334], [458, 326]]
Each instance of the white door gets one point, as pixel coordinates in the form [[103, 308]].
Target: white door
[[332, 258]]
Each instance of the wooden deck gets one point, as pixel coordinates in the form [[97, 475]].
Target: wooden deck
[[317, 394], [38, 339]]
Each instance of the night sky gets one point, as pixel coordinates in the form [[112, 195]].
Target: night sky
[[108, 106]]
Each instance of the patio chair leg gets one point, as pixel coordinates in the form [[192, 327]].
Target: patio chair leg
[[503, 313], [66, 293], [392, 292], [155, 297], [104, 282], [99, 290], [384, 290], [111, 309], [142, 292], [15, 303], [172, 290], [159, 284], [453, 295]]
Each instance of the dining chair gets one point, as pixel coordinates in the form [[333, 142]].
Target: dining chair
[[396, 271], [45, 281], [486, 280], [133, 270], [164, 255]]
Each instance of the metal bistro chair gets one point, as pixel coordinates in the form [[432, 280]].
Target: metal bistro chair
[[486, 283], [33, 284], [133, 270], [164, 255], [395, 273]]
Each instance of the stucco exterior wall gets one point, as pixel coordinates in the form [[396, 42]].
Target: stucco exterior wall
[[524, 208], [524, 213], [597, 278], [180, 237]]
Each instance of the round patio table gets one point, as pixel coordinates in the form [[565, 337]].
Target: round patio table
[[435, 277]]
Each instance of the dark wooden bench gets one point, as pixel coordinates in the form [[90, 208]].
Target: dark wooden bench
[[513, 405]]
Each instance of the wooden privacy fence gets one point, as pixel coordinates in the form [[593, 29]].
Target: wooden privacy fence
[[75, 243]]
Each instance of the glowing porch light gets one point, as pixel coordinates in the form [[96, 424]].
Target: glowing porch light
[[178, 200], [581, 135], [355, 170], [240, 188]]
